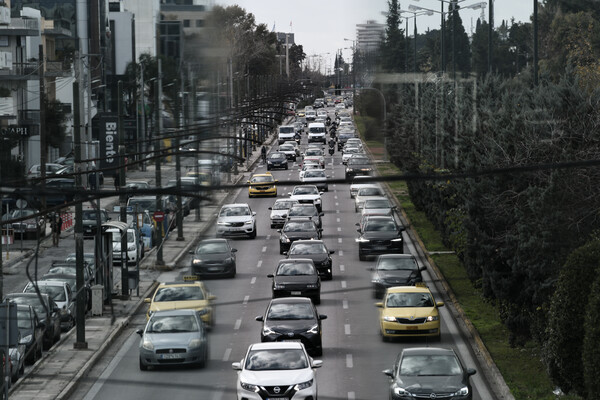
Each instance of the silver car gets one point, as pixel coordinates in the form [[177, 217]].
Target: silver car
[[279, 212], [236, 220], [174, 337]]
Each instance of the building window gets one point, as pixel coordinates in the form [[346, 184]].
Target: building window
[[199, 23], [186, 23]]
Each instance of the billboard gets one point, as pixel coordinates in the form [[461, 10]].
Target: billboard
[[108, 136]]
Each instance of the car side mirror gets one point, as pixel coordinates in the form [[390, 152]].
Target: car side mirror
[[147, 300], [439, 304], [471, 371], [247, 181], [321, 214], [285, 253], [236, 366], [317, 363], [279, 230], [191, 252], [253, 213], [358, 230], [140, 332], [370, 269], [212, 297], [322, 316], [259, 318], [331, 251], [234, 250], [270, 276], [289, 193], [270, 208], [379, 304], [388, 372], [423, 268]]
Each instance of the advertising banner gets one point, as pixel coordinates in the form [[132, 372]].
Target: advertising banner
[[108, 137]]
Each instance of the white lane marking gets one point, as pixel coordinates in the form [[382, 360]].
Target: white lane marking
[[334, 185], [264, 249], [339, 240], [342, 267], [253, 280], [246, 298], [113, 364], [337, 219], [345, 304], [335, 197], [227, 354], [337, 211], [351, 396], [344, 285], [259, 264], [341, 253], [349, 363], [347, 329], [237, 325], [268, 237], [339, 229], [337, 204]]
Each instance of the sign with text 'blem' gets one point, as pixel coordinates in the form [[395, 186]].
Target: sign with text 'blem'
[[108, 136]]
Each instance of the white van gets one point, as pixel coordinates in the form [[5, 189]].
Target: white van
[[286, 132], [316, 132]]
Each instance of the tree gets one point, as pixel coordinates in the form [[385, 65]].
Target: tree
[[460, 46], [393, 48], [55, 122]]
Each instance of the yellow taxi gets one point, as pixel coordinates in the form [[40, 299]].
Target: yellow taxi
[[262, 185], [300, 114], [189, 294], [409, 311]]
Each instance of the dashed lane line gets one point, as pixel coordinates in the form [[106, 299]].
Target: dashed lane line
[[345, 304], [237, 325], [227, 354], [259, 264], [253, 280], [246, 298], [347, 329], [349, 362]]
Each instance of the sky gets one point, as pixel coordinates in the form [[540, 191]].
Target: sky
[[320, 26]]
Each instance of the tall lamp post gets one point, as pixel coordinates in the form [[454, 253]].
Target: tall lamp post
[[353, 73], [416, 13]]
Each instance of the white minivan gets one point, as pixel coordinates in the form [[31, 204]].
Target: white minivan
[[316, 132], [286, 132]]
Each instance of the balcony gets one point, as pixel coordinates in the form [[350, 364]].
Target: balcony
[[21, 27], [57, 69], [20, 72], [4, 15]]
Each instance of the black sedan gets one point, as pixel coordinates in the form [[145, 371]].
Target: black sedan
[[90, 221], [429, 372], [47, 312], [214, 257], [379, 235], [358, 165], [297, 228], [277, 160], [293, 318], [296, 277], [31, 331], [316, 251], [395, 270]]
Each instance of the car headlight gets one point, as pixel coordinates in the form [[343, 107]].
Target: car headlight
[[303, 385], [376, 280], [312, 286], [147, 344], [362, 240], [462, 391], [249, 387], [131, 247], [398, 391], [279, 286], [196, 261], [229, 260], [269, 162], [221, 223], [285, 239], [397, 240], [248, 222], [314, 329], [26, 339], [268, 331], [202, 311], [31, 226], [389, 318], [194, 343], [432, 318]]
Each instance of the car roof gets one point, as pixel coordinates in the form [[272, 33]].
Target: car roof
[[405, 256], [214, 240], [428, 351], [408, 289], [264, 174], [276, 345], [49, 283], [307, 242], [235, 205], [179, 311], [295, 261], [181, 284], [288, 300]]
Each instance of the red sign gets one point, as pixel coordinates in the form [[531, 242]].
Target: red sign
[[158, 216]]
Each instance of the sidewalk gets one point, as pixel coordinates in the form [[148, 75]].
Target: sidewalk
[[56, 375]]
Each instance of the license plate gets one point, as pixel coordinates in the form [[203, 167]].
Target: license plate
[[379, 247], [170, 356], [214, 269], [278, 398], [412, 328], [296, 293], [291, 340]]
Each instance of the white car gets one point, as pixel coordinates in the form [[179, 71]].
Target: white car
[[322, 114], [306, 166], [310, 115], [354, 142], [134, 246], [344, 124], [368, 192], [349, 152], [307, 194], [315, 153], [357, 183], [295, 144], [340, 106], [236, 219], [378, 206], [63, 296], [276, 370], [317, 132], [289, 151], [279, 212], [318, 177]]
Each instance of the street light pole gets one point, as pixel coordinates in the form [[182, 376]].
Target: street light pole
[[490, 33]]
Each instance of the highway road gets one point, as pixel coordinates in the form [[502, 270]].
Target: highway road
[[354, 354]]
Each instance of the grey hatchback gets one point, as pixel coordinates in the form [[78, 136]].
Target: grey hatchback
[[214, 257]]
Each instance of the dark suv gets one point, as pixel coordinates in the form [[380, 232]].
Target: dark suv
[[358, 165], [379, 235]]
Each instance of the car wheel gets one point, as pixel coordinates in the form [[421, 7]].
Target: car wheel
[[317, 299], [286, 166], [57, 335], [253, 234], [361, 257], [281, 250], [330, 276], [143, 367]]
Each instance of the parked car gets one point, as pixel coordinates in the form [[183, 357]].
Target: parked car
[[165, 331], [32, 227], [47, 312], [134, 251], [51, 168], [62, 295], [31, 331], [90, 221]]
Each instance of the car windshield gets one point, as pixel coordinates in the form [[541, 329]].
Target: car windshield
[[286, 148], [395, 300], [32, 301], [381, 226], [352, 150], [314, 152], [358, 161], [277, 156], [290, 311], [314, 174], [302, 211], [212, 248], [311, 165], [286, 129], [116, 237], [377, 204], [92, 214], [395, 264], [172, 324], [261, 179], [283, 205], [299, 226], [143, 204], [137, 185], [276, 359], [24, 319], [234, 211], [63, 269], [179, 293], [370, 191], [295, 269], [56, 293], [305, 190], [307, 248], [429, 365], [70, 281]]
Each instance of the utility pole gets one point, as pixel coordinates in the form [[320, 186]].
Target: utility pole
[[179, 216], [415, 61], [122, 196], [535, 42], [157, 155], [199, 132], [443, 40], [43, 153], [454, 40], [490, 39], [143, 117], [80, 343]]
